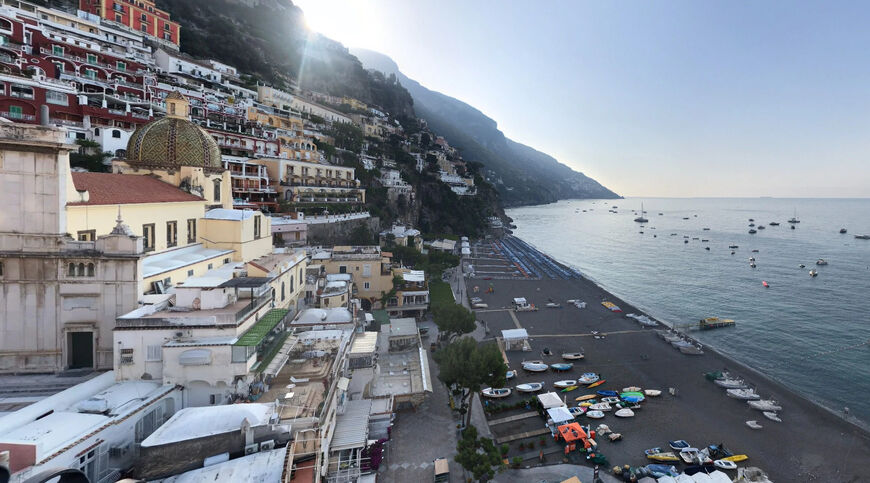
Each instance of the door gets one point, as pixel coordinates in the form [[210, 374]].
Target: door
[[81, 349]]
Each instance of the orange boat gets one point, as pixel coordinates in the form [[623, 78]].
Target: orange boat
[[596, 384]]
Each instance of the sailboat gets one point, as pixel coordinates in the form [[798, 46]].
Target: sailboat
[[641, 219], [794, 219]]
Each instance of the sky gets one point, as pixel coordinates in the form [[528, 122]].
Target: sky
[[666, 98]]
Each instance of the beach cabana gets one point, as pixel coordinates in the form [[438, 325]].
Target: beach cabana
[[560, 415], [515, 339], [550, 400], [571, 432]]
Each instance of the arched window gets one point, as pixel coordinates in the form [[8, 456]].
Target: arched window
[[217, 190], [90, 270], [116, 133], [80, 270], [71, 270], [282, 291]]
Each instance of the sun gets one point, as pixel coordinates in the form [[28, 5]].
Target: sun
[[354, 23]]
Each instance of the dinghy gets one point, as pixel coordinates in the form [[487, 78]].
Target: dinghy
[[530, 387], [689, 455], [632, 397], [725, 464], [600, 407], [631, 389], [610, 400], [765, 405], [772, 416], [535, 366], [562, 366], [652, 392], [656, 454], [737, 458], [743, 394], [511, 374], [679, 445], [607, 393], [572, 356], [659, 471], [565, 383], [624, 413], [594, 414], [586, 397], [588, 378], [730, 383], [577, 411], [496, 393], [596, 384], [754, 424], [691, 350]]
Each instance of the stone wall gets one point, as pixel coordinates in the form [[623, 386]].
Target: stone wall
[[339, 233]]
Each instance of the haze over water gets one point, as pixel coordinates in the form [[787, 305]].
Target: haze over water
[[782, 330]]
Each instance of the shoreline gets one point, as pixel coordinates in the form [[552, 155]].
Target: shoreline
[[744, 367]]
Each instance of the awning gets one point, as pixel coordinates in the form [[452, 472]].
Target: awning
[[560, 414], [258, 331], [514, 334], [550, 400]]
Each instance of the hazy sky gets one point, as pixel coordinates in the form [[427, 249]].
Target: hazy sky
[[664, 98]]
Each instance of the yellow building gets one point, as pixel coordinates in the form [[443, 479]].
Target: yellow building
[[369, 267], [309, 182], [354, 103], [289, 130]]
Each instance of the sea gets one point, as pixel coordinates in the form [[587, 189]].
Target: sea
[[810, 333]]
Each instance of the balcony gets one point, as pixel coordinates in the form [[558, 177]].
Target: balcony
[[17, 116], [67, 122]]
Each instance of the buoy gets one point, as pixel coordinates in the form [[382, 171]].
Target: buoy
[[764, 282]]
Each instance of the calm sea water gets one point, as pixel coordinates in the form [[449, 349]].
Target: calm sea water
[[793, 331]]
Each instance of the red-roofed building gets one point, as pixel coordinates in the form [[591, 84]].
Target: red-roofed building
[[119, 189]]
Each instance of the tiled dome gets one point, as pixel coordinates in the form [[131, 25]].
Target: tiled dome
[[173, 141]]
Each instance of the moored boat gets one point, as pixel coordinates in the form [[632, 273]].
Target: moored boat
[[624, 413], [821, 261], [656, 454], [586, 397], [689, 455], [577, 411], [510, 374], [588, 378], [530, 387], [535, 366], [743, 394], [772, 416], [601, 407], [754, 424], [596, 384], [652, 392], [565, 383], [737, 458], [730, 383], [562, 366], [725, 464], [594, 414], [608, 393], [496, 393], [765, 405], [679, 444], [572, 356]]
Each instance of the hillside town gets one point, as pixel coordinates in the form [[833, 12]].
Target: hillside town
[[194, 287]]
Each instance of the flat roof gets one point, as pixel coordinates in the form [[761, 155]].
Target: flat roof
[[513, 334], [403, 327], [364, 343], [560, 414], [352, 426], [335, 315], [245, 282], [258, 331], [550, 400], [228, 214], [262, 467], [191, 423], [182, 257]]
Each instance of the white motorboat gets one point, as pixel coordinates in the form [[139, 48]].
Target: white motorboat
[[730, 383], [765, 405], [743, 394], [576, 410], [681, 343], [496, 393], [588, 378], [631, 389], [594, 414], [610, 400], [530, 387], [689, 455], [772, 416], [754, 424], [535, 366], [691, 350], [600, 407], [725, 464], [624, 413], [652, 392], [572, 356], [565, 383]]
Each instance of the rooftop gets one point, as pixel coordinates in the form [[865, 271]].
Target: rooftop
[[364, 343], [228, 214], [263, 326], [262, 467], [192, 423], [173, 259], [337, 315], [352, 426], [401, 327], [118, 189]]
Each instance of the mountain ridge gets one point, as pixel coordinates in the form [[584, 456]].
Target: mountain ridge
[[479, 138]]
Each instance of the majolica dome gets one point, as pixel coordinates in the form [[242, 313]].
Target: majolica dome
[[173, 141]]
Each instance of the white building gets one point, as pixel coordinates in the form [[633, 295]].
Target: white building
[[92, 427], [176, 63]]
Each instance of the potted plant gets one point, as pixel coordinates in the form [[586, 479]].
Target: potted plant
[[517, 461]]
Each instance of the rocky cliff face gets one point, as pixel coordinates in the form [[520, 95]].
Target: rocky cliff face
[[521, 174]]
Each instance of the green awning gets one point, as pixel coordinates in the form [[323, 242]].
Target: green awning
[[255, 334]]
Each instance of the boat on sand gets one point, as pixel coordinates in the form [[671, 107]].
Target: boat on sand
[[772, 416], [754, 424], [656, 454], [588, 378], [730, 383], [572, 356], [565, 383], [562, 366], [530, 387], [744, 394], [764, 405], [679, 444], [652, 392], [496, 393], [725, 464], [535, 366], [624, 413], [594, 414]]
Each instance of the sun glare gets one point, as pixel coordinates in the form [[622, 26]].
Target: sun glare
[[354, 23]]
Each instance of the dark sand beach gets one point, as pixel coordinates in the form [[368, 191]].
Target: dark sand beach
[[810, 444]]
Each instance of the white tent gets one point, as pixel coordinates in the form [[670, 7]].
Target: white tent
[[560, 415], [550, 400]]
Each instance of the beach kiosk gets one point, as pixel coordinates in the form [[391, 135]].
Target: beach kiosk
[[520, 304], [550, 400], [515, 339]]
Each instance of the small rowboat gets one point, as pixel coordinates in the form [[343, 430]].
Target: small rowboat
[[586, 397], [688, 455], [511, 374], [535, 366], [656, 454], [754, 424], [600, 407], [596, 384], [679, 444], [725, 464], [652, 392], [631, 389], [594, 414], [572, 356], [624, 413], [577, 411], [772, 416], [565, 383], [569, 389], [607, 393], [610, 399], [562, 366], [765, 405], [744, 394], [588, 403], [530, 387], [588, 378], [632, 397], [496, 393], [736, 458]]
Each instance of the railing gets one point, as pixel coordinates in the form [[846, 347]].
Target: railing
[[18, 116], [141, 116], [67, 122], [255, 304]]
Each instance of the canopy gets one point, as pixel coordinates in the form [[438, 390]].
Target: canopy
[[550, 400], [520, 301], [560, 414], [572, 432], [514, 334]]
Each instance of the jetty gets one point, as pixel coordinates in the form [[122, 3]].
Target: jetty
[[707, 324]]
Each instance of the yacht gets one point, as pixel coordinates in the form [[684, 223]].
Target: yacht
[[641, 219], [794, 219], [863, 237], [821, 261], [813, 273], [774, 223]]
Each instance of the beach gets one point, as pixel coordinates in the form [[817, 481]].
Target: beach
[[810, 444]]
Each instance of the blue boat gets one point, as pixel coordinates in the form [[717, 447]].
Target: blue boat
[[561, 366], [658, 471], [632, 399], [607, 393]]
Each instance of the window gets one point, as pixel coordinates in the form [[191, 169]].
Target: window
[[257, 219], [118, 17], [226, 260], [283, 295], [326, 302], [144, 18], [167, 282], [71, 270], [86, 235], [153, 353], [191, 230], [148, 234], [90, 270], [1, 269], [291, 283], [90, 73], [56, 50], [91, 59], [24, 92], [210, 266], [15, 112], [367, 270], [116, 134], [171, 233], [190, 273], [217, 190], [167, 36], [59, 67], [366, 285], [54, 97], [166, 27], [121, 65], [96, 131], [145, 27], [342, 269]]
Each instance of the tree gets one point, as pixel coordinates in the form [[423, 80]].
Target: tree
[[453, 319], [361, 235], [478, 455], [469, 365]]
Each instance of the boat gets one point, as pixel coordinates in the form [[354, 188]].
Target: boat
[[689, 455], [632, 397], [652, 392], [737, 458], [729, 383], [725, 464], [554, 305], [594, 414], [863, 237], [792, 227], [794, 219], [752, 231], [761, 227], [610, 399], [572, 356], [691, 350], [577, 411], [772, 416], [821, 261], [624, 413], [496, 393], [604, 393], [601, 407], [744, 394], [765, 405], [843, 230], [530, 387], [588, 378], [588, 403], [535, 366], [586, 397], [565, 383], [754, 424], [569, 388], [752, 219], [733, 246], [774, 223], [679, 444], [641, 219], [752, 264], [662, 472], [814, 273], [656, 454], [631, 389], [561, 366], [751, 225], [766, 285], [510, 374]]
